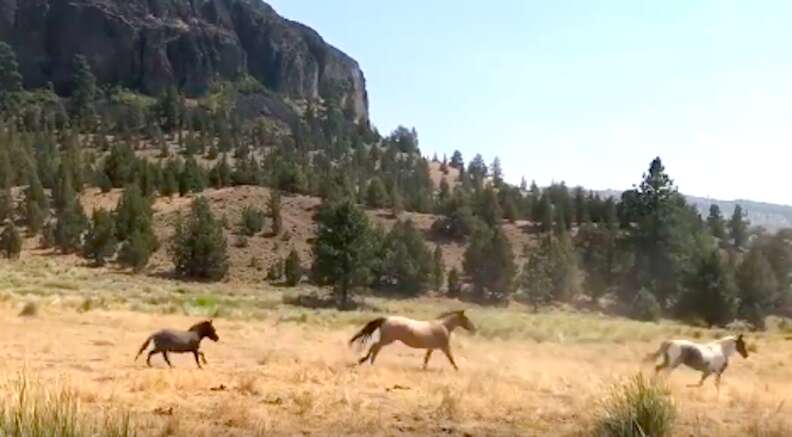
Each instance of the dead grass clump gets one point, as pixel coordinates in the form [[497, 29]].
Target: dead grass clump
[[30, 309], [30, 408], [637, 408], [248, 385]]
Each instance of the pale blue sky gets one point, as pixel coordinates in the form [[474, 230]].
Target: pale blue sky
[[582, 91]]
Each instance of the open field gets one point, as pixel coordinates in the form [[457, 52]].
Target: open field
[[285, 370]]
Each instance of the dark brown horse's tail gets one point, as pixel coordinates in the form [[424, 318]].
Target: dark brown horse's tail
[[364, 334], [145, 345]]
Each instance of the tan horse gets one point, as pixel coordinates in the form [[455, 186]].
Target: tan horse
[[418, 334]]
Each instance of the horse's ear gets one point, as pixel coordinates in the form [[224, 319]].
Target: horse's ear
[[739, 337]]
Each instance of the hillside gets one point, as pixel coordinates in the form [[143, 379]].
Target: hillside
[[150, 45], [772, 217]]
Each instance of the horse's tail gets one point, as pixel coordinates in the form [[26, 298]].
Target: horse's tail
[[364, 334], [145, 345], [660, 351]]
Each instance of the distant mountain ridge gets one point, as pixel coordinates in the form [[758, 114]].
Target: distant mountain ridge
[[770, 216]]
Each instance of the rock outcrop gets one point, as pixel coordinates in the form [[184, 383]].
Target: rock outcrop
[[148, 45]]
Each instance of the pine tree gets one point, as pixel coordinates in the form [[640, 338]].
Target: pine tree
[[252, 221], [192, 178], [343, 249], [488, 208], [292, 269], [759, 287], [170, 179], [84, 95], [100, 242], [220, 175], [454, 284], [133, 220], [6, 204], [11, 241], [716, 223], [497, 172], [712, 291], [274, 205], [396, 201], [438, 268], [199, 247], [71, 221], [376, 194], [738, 228], [477, 171], [406, 260], [489, 262], [456, 160], [551, 271], [10, 79], [35, 207]]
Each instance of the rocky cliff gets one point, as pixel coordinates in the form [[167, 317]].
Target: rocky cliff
[[149, 45]]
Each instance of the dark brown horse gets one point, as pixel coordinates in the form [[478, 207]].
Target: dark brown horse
[[170, 340]]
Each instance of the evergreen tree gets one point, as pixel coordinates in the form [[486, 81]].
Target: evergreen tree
[[6, 204], [84, 95], [220, 175], [274, 205], [497, 172], [738, 228], [192, 178], [71, 220], [438, 268], [35, 207], [582, 213], [11, 241], [10, 79], [170, 179], [546, 214], [551, 271], [100, 242], [712, 291], [252, 221], [407, 261], [343, 249], [396, 201], [376, 194], [456, 160], [758, 288], [489, 262], [133, 219], [199, 247], [454, 284], [488, 208], [170, 109], [293, 269], [477, 170], [716, 223]]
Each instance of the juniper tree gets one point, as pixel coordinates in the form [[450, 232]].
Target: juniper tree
[[199, 247], [11, 241], [738, 228], [716, 223], [100, 241], [292, 269], [274, 206]]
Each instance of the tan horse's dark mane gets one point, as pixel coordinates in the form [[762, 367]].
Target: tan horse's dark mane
[[198, 327]]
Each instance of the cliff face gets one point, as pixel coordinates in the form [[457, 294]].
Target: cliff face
[[149, 45]]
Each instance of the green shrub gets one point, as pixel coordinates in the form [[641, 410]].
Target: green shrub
[[638, 407], [646, 307], [252, 221], [292, 268]]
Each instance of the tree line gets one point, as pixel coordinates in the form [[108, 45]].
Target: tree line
[[649, 250]]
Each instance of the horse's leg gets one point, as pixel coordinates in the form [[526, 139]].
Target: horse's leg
[[148, 359], [447, 352], [662, 365], [426, 358], [704, 376], [165, 355], [203, 357], [364, 359], [195, 354], [374, 351]]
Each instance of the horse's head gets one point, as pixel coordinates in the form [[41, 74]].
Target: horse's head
[[458, 318], [739, 344], [206, 329]]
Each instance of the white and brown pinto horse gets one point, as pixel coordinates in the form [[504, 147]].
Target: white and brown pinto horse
[[710, 358], [418, 334]]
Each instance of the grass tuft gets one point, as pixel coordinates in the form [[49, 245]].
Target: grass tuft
[[31, 408], [29, 310], [639, 407]]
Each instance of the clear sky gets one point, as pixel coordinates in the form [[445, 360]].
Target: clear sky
[[587, 92]]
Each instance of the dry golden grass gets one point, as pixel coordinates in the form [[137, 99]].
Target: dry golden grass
[[280, 370]]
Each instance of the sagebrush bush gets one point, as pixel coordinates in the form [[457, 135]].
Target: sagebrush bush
[[639, 407], [646, 307]]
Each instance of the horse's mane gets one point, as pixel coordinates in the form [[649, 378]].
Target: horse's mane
[[199, 326], [450, 313]]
